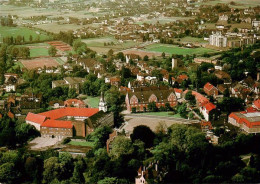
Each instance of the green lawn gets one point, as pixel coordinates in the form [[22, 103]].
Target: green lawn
[[166, 114], [60, 61], [173, 49], [189, 39], [79, 143], [35, 52], [93, 101], [26, 32], [99, 42]]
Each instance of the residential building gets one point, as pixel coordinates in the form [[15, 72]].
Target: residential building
[[206, 108], [176, 63], [218, 40], [71, 82], [210, 90], [74, 103]]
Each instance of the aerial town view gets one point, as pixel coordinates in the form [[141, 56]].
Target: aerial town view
[[129, 91]]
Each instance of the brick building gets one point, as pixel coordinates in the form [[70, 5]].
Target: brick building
[[69, 121], [139, 98], [248, 120]]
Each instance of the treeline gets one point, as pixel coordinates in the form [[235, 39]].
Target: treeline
[[7, 21], [182, 153]]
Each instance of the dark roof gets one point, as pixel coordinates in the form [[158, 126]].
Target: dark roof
[[93, 122], [143, 96]]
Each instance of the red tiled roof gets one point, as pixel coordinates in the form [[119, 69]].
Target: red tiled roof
[[57, 124], [208, 86], [210, 106], [70, 111], [36, 118], [177, 90], [183, 77], [206, 123], [73, 101], [257, 104], [10, 114]]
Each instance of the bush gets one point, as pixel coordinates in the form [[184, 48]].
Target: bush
[[66, 140]]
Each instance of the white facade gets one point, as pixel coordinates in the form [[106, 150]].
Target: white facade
[[204, 112], [102, 106], [218, 40], [9, 88], [37, 126]]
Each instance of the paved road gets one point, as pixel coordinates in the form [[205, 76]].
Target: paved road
[[152, 121], [181, 120]]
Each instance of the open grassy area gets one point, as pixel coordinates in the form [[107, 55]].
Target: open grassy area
[[56, 28], [60, 61], [189, 39], [22, 31], [166, 114], [238, 3], [162, 20], [35, 52], [97, 44], [173, 49], [81, 143], [93, 101]]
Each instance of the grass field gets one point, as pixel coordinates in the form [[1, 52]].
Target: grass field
[[93, 101], [56, 28], [163, 20], [190, 39], [60, 61], [35, 52], [165, 114], [239, 3], [99, 42], [26, 32], [172, 49], [79, 143]]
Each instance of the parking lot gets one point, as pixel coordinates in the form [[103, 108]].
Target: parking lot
[[42, 143]]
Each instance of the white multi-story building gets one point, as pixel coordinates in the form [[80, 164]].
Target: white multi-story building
[[218, 40]]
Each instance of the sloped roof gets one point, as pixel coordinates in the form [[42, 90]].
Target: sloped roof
[[36, 118], [210, 106], [209, 86], [257, 103], [70, 111], [57, 124]]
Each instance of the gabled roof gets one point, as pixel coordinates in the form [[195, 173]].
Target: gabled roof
[[70, 111], [210, 106], [209, 86], [257, 104], [36, 118], [57, 124], [177, 90]]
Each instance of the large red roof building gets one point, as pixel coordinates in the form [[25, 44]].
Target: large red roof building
[[67, 122], [248, 120]]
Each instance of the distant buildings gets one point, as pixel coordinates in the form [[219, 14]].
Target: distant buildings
[[71, 82], [218, 40]]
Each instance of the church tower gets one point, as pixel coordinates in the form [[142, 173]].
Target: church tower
[[102, 106]]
